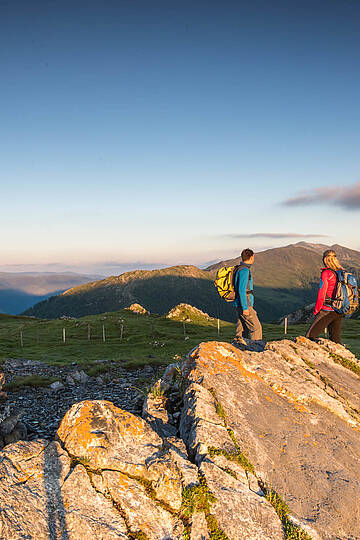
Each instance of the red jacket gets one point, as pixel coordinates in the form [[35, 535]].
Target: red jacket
[[326, 288]]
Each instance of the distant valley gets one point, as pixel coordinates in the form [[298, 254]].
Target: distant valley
[[21, 290], [285, 278]]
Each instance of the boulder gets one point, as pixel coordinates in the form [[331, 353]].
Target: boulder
[[77, 377], [109, 438], [137, 308], [56, 386], [187, 313], [11, 427], [300, 316]]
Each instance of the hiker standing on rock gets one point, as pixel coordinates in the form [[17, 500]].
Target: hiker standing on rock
[[248, 322], [325, 316]]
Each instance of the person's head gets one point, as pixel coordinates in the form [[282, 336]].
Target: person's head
[[330, 260], [247, 256]]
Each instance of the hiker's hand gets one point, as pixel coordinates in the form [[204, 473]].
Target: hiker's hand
[[246, 312]]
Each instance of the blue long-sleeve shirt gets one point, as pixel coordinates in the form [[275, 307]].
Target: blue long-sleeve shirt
[[241, 281]]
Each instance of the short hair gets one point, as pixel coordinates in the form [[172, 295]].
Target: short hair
[[246, 254]]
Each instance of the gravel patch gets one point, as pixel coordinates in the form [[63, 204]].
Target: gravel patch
[[43, 407]]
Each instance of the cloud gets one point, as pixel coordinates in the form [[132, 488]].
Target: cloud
[[347, 197], [98, 268], [276, 235]]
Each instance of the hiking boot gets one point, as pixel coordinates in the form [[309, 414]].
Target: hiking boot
[[240, 343]]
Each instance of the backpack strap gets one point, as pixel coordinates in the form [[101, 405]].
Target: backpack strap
[[329, 300], [238, 269]]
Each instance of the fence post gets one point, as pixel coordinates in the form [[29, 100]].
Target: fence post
[[121, 331], [64, 335], [218, 326], [285, 325], [104, 339], [21, 339], [325, 332]]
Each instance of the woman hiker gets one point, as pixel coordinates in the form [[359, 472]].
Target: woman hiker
[[325, 316]]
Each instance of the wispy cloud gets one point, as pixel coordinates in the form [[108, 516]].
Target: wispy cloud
[[276, 235], [103, 268], [347, 197]]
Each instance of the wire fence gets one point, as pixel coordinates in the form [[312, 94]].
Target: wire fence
[[30, 335], [70, 332]]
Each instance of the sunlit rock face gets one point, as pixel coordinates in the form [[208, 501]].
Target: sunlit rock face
[[294, 412], [233, 444]]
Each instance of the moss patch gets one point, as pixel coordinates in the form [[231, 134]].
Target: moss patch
[[349, 364], [237, 457], [138, 536], [199, 499], [292, 531], [97, 369]]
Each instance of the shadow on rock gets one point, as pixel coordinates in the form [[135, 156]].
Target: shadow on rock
[[53, 475]]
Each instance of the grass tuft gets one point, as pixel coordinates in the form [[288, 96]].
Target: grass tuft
[[199, 499], [156, 391], [345, 362], [292, 531], [29, 380], [237, 457], [97, 369], [139, 535]]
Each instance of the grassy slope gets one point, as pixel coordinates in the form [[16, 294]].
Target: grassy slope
[[146, 339]]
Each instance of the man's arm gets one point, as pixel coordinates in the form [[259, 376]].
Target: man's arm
[[242, 285]]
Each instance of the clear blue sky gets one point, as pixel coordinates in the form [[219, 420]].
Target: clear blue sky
[[167, 131]]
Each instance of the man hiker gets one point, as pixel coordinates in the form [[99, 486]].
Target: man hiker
[[248, 322]]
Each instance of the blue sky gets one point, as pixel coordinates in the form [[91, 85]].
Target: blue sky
[[147, 132]]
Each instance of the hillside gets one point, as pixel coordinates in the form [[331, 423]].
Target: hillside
[[144, 339], [21, 290], [286, 279]]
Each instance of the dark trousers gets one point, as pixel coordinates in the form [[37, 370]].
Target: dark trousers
[[329, 319]]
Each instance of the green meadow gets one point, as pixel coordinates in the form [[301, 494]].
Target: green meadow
[[131, 339]]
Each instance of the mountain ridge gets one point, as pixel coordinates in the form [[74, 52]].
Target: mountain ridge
[[285, 278]]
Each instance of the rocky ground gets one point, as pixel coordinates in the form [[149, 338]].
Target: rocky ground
[[42, 408], [231, 445]]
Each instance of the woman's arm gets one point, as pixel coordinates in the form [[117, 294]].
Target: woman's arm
[[323, 287]]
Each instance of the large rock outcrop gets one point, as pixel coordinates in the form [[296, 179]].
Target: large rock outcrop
[[233, 445]]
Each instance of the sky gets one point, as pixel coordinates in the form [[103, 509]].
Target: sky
[[137, 134]]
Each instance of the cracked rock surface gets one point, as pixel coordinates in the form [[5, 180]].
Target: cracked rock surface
[[292, 410], [222, 438]]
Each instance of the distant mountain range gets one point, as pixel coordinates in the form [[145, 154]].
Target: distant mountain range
[[285, 279], [21, 290]]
